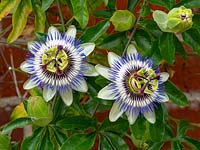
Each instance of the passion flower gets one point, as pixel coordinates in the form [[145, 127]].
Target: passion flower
[[58, 65], [135, 85]]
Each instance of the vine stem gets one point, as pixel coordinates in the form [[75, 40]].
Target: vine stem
[[61, 16], [191, 123], [134, 29]]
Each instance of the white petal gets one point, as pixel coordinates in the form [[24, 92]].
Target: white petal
[[164, 76], [24, 67], [131, 49], [166, 98], [106, 93], [67, 97], [81, 87], [71, 31], [48, 93], [88, 48], [112, 58], [90, 70], [115, 113], [150, 116], [102, 70], [132, 117], [29, 85]]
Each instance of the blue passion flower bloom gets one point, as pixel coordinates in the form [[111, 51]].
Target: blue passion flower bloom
[[58, 64], [135, 86]]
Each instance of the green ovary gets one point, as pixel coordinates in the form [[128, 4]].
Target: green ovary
[[144, 81], [55, 60]]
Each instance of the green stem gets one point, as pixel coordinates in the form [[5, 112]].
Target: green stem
[[134, 29], [61, 16], [191, 123]]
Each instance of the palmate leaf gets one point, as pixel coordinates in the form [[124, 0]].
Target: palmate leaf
[[79, 142], [189, 3], [6, 6], [19, 19], [80, 12]]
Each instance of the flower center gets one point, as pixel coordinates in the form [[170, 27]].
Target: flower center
[[184, 17], [144, 81], [55, 60]]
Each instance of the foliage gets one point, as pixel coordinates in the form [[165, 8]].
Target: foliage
[[77, 127]]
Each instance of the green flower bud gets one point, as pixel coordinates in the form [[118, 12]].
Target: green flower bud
[[122, 20], [177, 20], [39, 111]]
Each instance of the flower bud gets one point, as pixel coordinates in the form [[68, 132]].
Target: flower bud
[[122, 20], [177, 20], [39, 111]]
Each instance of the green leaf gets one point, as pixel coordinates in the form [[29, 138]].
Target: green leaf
[[179, 47], [46, 142], [183, 126], [93, 4], [40, 16], [4, 142], [176, 145], [156, 146], [17, 123], [157, 130], [132, 4], [46, 4], [102, 14], [151, 27], [143, 41], [191, 142], [168, 4], [79, 142], [80, 12], [111, 5], [59, 135], [175, 95], [156, 56], [191, 37], [6, 6], [196, 22], [115, 141], [167, 49], [113, 41], [23, 10], [119, 126], [189, 3], [73, 122], [139, 132], [93, 33], [33, 142], [104, 143]]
